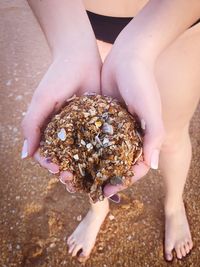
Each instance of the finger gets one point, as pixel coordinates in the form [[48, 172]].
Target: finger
[[46, 163], [65, 176], [148, 108], [40, 109], [140, 169], [69, 187]]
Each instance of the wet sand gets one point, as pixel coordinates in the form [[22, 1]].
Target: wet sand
[[37, 213]]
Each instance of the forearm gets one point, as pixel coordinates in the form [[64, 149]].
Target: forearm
[[64, 23], [158, 24]]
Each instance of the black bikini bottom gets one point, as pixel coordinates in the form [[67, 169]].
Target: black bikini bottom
[[107, 28]]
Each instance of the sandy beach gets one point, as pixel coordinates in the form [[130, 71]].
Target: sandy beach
[[37, 213]]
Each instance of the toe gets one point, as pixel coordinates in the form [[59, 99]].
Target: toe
[[187, 248], [75, 250], [70, 239], [82, 257], [169, 256], [178, 252], [182, 249], [190, 243], [71, 248], [168, 252]]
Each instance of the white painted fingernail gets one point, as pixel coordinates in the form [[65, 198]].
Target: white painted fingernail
[[155, 159], [24, 153], [143, 124], [53, 172]]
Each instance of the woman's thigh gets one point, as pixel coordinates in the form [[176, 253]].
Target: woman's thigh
[[104, 49], [178, 78]]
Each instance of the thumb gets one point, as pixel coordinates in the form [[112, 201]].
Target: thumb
[[39, 110]]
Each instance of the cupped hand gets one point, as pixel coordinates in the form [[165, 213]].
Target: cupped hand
[[130, 78], [75, 72]]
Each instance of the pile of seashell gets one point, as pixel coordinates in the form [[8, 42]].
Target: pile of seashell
[[96, 139]]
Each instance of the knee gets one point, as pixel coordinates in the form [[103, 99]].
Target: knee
[[175, 140]]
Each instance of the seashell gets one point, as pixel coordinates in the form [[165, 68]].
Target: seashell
[[106, 142], [101, 198], [98, 124], [105, 116], [116, 180], [83, 142], [76, 157], [99, 174], [62, 134], [82, 172], [92, 111], [86, 114], [89, 146], [107, 128], [94, 119]]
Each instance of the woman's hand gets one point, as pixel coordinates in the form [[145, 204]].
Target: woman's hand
[[128, 77], [76, 72], [75, 69]]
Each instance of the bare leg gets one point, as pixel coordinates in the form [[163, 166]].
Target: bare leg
[[178, 80], [174, 164], [84, 236]]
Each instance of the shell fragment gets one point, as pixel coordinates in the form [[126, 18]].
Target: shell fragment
[[62, 134]]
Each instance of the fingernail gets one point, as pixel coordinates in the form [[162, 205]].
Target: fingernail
[[143, 124], [53, 171], [70, 188], [154, 159], [24, 153], [115, 198], [62, 180]]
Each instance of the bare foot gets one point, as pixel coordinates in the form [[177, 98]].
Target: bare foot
[[177, 233], [84, 236]]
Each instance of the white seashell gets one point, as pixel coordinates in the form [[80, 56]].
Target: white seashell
[[62, 134], [89, 146], [83, 142], [76, 157], [105, 141], [107, 128]]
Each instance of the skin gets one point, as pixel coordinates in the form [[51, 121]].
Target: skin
[[136, 65]]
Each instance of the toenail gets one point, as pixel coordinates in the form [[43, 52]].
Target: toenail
[[168, 257]]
